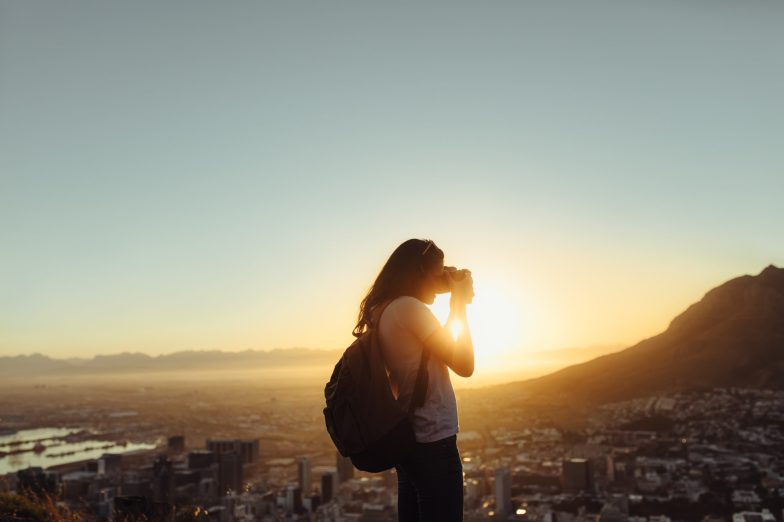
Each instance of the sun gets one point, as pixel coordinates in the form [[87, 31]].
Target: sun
[[496, 321]]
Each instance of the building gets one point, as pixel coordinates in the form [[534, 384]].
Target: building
[[176, 444], [248, 450], [37, 481], [293, 499], [311, 503], [110, 464], [134, 484], [200, 459], [229, 473], [503, 492], [76, 484], [162, 485], [328, 483], [303, 476], [577, 475]]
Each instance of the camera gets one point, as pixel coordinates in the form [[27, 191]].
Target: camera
[[453, 273]]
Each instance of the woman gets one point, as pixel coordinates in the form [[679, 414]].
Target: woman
[[430, 480]]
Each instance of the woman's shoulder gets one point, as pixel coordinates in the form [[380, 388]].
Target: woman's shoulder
[[401, 309], [407, 303], [412, 314]]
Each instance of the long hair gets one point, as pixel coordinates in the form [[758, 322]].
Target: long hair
[[402, 274]]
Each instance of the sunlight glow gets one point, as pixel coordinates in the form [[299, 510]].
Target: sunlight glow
[[496, 322], [456, 327]]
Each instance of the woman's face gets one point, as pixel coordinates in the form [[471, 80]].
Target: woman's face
[[433, 283]]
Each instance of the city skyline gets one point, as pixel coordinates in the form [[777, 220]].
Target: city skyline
[[233, 179]]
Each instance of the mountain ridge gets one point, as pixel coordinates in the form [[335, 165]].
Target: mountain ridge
[[538, 362], [732, 337], [126, 362]]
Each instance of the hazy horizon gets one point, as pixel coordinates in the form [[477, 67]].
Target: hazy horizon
[[296, 373], [315, 375], [198, 177], [280, 348]]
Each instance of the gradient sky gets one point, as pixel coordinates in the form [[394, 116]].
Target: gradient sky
[[201, 175]]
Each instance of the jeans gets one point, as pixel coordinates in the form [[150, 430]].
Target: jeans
[[430, 483]]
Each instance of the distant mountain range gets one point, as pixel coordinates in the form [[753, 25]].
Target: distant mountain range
[[733, 337], [536, 363], [41, 365]]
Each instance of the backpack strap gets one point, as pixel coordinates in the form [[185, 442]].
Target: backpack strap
[[375, 318], [420, 385]]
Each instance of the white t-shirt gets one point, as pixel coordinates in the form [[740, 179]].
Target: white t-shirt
[[404, 326]]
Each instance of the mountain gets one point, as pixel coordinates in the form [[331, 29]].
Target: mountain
[[29, 364], [41, 365], [732, 337]]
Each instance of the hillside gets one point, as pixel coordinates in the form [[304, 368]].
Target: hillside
[[734, 336]]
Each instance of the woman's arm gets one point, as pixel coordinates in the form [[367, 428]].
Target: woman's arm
[[456, 352]]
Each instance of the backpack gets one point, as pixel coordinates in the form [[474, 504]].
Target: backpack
[[363, 418]]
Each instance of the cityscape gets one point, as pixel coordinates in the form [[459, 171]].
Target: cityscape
[[245, 452], [558, 219]]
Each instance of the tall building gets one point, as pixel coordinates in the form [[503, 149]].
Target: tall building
[[610, 468], [311, 503], [328, 484], [577, 475], [474, 491], [623, 468], [503, 492], [248, 450], [293, 498], [229, 473], [345, 468], [303, 476], [163, 480]]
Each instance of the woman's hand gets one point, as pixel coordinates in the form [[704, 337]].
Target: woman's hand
[[457, 351], [461, 284]]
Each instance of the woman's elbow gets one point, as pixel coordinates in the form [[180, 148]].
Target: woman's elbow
[[466, 371]]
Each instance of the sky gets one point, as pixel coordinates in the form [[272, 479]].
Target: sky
[[201, 175]]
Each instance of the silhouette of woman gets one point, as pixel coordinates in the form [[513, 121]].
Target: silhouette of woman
[[430, 479]]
